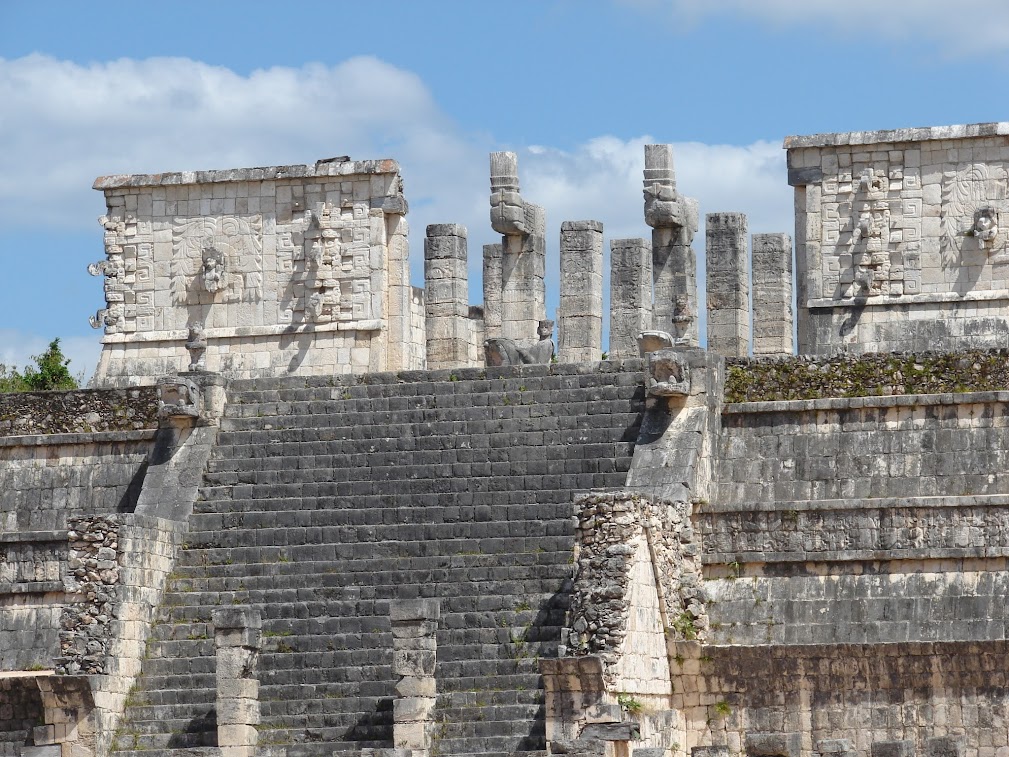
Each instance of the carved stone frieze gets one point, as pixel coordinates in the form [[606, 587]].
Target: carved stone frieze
[[972, 201], [219, 256], [333, 267]]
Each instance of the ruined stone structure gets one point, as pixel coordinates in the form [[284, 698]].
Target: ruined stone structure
[[413, 530]]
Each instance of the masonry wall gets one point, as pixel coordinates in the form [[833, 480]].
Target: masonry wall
[[288, 270], [789, 700], [20, 711], [855, 559], [901, 238], [49, 479]]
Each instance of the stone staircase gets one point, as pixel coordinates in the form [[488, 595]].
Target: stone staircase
[[327, 498]]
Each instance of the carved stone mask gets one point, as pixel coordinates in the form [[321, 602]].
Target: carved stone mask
[[214, 269]]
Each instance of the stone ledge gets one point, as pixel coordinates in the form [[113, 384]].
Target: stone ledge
[[991, 295], [267, 173], [883, 503], [19, 537], [919, 134], [38, 440], [897, 554], [31, 587], [855, 403], [240, 332]]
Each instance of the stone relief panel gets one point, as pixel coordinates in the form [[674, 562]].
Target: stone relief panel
[[330, 266], [217, 259], [919, 220], [871, 225], [973, 205], [128, 269]]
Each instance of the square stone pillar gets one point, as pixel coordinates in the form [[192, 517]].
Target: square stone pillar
[[630, 295], [414, 655], [581, 301], [446, 284], [772, 295], [492, 290], [236, 643], [728, 284]]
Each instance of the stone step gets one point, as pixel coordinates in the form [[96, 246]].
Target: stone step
[[227, 576], [554, 546], [487, 745], [498, 434], [242, 390], [353, 515], [393, 418]]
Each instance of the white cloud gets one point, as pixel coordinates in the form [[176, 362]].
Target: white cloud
[[970, 27]]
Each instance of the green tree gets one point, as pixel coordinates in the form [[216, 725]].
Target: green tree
[[49, 372]]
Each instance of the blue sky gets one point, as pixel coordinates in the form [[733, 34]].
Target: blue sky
[[576, 87]]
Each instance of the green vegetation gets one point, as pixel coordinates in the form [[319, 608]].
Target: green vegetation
[[869, 375], [685, 627], [629, 704], [49, 372]]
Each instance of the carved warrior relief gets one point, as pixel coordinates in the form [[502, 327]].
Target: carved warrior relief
[[221, 257], [973, 203], [872, 224], [331, 268], [128, 269]]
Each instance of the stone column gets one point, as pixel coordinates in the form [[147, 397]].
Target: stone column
[[236, 642], [630, 295], [673, 219], [772, 294], [446, 284], [728, 284], [492, 290], [414, 653], [523, 260], [581, 302]]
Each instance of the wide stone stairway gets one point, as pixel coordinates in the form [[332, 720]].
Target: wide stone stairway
[[327, 498]]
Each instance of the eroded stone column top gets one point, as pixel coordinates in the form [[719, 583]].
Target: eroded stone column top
[[915, 134], [327, 167]]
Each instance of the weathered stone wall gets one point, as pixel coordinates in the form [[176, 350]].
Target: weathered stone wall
[[907, 446], [50, 480], [901, 238], [788, 700], [20, 711], [286, 270]]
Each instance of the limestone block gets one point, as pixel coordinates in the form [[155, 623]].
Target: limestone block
[[407, 662], [892, 749], [413, 686], [944, 746], [413, 709], [414, 610]]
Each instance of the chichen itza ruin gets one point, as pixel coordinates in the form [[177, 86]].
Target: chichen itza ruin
[[310, 509]]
